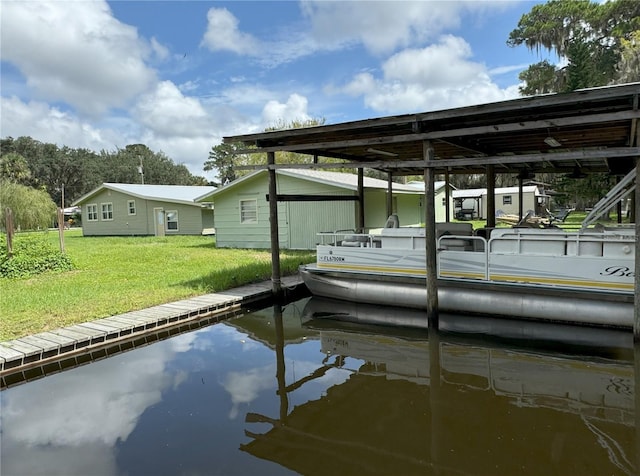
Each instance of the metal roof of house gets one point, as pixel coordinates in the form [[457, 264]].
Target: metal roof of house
[[479, 192], [185, 194], [343, 180], [595, 130]]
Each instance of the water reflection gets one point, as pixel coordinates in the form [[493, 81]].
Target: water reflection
[[279, 391]]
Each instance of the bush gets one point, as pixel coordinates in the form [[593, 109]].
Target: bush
[[32, 254]]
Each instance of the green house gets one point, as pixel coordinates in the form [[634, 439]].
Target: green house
[[136, 209], [242, 209]]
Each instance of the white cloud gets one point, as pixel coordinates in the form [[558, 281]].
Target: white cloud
[[436, 77], [223, 34], [96, 406], [277, 113], [244, 387], [383, 26], [167, 112], [50, 124], [75, 52]]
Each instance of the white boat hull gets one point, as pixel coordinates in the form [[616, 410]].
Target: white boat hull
[[504, 300]]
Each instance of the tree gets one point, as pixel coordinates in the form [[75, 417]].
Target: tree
[[589, 36], [598, 42], [78, 171], [14, 168], [629, 65], [32, 208], [225, 158]]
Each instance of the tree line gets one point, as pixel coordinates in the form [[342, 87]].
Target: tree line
[[75, 172]]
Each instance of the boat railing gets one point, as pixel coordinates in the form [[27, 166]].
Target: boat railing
[[462, 243], [349, 238], [588, 243]]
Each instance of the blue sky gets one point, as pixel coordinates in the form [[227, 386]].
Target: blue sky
[[179, 75]]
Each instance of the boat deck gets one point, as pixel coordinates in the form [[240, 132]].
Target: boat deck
[[166, 319]]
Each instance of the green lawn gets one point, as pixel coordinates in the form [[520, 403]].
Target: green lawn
[[114, 275]]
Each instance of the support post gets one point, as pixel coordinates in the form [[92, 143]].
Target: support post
[[389, 193], [491, 197], [430, 235], [447, 197], [636, 302], [61, 229], [273, 221], [520, 199], [8, 223], [361, 200]]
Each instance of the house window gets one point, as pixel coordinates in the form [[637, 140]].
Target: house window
[[249, 211], [444, 201], [107, 211], [131, 206], [506, 199], [172, 220], [92, 212]]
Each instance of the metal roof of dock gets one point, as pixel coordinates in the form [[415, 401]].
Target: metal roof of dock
[[594, 130]]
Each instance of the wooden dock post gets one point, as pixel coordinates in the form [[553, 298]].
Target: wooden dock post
[[636, 294], [361, 200], [389, 193], [491, 197], [430, 235], [273, 221]]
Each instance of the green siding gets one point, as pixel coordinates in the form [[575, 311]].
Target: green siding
[[230, 233], [189, 216], [299, 222]]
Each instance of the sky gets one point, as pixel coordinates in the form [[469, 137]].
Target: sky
[[180, 75]]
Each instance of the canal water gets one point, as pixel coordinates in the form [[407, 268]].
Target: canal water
[[288, 390]]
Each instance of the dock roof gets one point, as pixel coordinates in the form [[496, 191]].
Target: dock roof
[[593, 130]]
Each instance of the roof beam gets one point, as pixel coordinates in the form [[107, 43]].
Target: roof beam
[[520, 126], [609, 153]]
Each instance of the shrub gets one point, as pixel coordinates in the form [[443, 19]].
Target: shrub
[[32, 254]]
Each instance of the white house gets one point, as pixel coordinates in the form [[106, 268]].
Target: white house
[[472, 203]]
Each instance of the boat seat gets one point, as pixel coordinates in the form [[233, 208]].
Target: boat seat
[[355, 241], [392, 222]]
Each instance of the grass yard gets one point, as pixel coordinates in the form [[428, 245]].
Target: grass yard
[[115, 275]]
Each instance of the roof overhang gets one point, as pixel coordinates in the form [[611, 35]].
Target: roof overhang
[[595, 130]]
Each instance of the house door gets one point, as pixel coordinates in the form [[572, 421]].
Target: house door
[[158, 221]]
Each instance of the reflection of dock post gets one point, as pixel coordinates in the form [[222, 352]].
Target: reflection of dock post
[[435, 398], [636, 391], [280, 367], [273, 221], [430, 233], [636, 307]]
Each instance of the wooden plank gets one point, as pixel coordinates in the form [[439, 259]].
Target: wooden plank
[[58, 339], [7, 353], [45, 345], [91, 333], [25, 348], [72, 334]]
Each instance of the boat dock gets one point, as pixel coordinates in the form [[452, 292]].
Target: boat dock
[[123, 330]]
